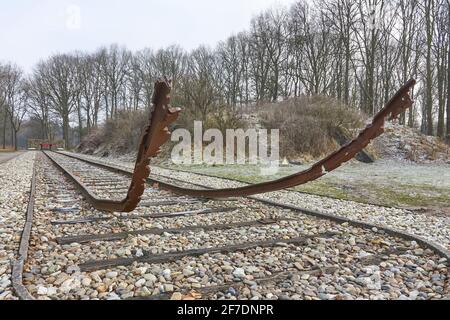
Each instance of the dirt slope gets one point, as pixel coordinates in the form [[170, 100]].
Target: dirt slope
[[402, 143]]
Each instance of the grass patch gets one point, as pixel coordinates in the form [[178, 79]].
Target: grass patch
[[351, 186]]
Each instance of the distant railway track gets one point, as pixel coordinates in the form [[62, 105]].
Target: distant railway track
[[163, 217]]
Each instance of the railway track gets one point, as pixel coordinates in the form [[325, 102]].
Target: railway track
[[190, 248], [166, 181]]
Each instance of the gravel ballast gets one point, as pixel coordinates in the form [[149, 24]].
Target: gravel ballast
[[355, 263], [15, 177], [435, 228]]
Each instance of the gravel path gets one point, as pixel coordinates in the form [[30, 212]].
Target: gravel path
[[431, 227], [15, 177], [5, 156]]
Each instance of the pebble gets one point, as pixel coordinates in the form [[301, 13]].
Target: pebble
[[239, 273], [140, 283], [51, 291], [352, 241], [111, 275], [42, 291], [150, 277], [72, 269], [232, 291], [305, 276], [86, 282], [176, 296], [167, 274], [168, 287], [101, 288], [139, 253], [188, 272], [299, 266], [113, 296]]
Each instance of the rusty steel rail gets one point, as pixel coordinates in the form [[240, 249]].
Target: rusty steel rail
[[400, 102], [157, 133], [19, 263]]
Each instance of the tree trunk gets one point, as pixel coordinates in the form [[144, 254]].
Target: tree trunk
[[66, 130], [429, 73], [80, 123], [448, 88], [441, 98], [4, 131], [15, 140], [347, 72]]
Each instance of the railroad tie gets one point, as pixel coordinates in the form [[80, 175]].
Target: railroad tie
[[171, 257], [123, 235]]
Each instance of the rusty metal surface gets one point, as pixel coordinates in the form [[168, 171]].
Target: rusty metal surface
[[399, 103], [19, 263], [155, 134]]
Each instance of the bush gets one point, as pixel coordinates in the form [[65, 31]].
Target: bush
[[308, 125], [118, 136], [122, 135]]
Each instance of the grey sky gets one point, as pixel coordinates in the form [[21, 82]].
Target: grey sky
[[31, 30]]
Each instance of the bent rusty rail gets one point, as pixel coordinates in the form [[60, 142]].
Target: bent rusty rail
[[157, 133], [400, 102]]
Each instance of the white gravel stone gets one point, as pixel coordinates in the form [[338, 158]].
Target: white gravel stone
[[42, 291], [239, 273], [140, 283], [15, 177], [111, 274]]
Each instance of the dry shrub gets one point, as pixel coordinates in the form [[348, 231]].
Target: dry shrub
[[220, 117], [308, 125], [91, 142], [118, 136], [224, 118], [122, 135], [124, 132]]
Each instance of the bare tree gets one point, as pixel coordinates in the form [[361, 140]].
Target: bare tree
[[116, 64], [58, 78], [198, 87], [448, 79], [13, 98], [428, 7], [367, 31], [39, 104], [342, 16], [230, 73], [440, 49]]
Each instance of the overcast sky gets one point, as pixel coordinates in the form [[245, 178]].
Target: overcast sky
[[31, 30]]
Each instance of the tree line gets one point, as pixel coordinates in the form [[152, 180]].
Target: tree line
[[359, 51]]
